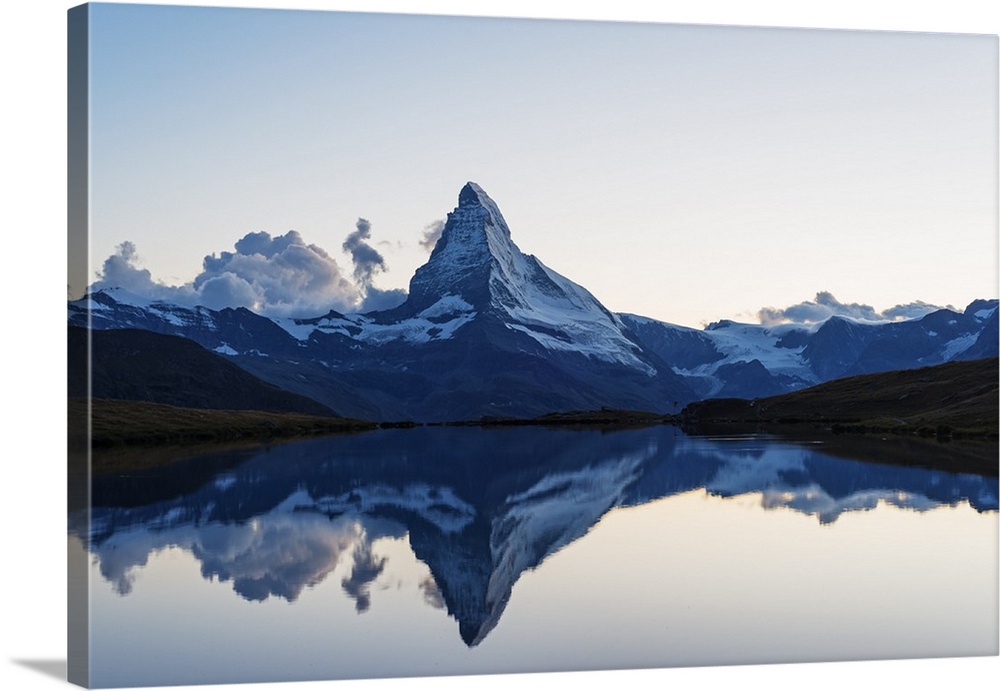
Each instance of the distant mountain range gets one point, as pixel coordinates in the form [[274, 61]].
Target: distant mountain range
[[730, 359], [487, 330]]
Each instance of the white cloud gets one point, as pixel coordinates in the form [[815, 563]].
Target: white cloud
[[825, 305], [275, 276]]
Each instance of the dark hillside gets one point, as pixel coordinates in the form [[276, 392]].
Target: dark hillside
[[959, 398], [138, 365]]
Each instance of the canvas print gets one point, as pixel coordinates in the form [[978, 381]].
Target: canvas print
[[411, 346]]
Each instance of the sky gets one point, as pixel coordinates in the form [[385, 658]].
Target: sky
[[679, 172], [33, 350]]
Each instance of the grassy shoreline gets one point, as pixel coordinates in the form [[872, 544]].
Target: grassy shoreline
[[957, 400], [117, 424], [934, 413]]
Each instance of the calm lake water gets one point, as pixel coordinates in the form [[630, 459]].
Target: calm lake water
[[438, 551]]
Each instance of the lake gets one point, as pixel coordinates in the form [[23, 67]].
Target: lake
[[465, 550]]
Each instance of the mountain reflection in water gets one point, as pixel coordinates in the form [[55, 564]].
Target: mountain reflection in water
[[479, 506]]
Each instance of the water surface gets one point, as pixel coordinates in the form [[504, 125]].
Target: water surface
[[435, 551]]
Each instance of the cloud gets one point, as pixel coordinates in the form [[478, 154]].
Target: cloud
[[367, 260], [825, 305], [376, 299], [432, 233], [366, 569], [228, 290], [120, 270], [277, 555], [273, 275], [914, 310], [432, 593], [278, 276]]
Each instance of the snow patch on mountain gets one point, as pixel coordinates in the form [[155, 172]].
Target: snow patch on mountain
[[439, 506], [417, 330], [746, 342], [958, 345], [126, 309], [438, 322], [571, 319], [125, 297], [739, 343], [447, 306]]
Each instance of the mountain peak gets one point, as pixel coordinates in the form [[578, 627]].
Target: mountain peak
[[472, 195], [472, 203], [475, 263], [474, 239]]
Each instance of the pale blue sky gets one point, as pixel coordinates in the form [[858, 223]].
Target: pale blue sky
[[685, 173]]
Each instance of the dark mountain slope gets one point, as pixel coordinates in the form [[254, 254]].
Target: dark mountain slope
[[959, 397], [137, 365]]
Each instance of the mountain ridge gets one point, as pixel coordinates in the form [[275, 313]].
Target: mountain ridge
[[487, 330], [726, 357]]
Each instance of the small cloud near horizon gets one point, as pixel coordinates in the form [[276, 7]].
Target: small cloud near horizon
[[825, 305]]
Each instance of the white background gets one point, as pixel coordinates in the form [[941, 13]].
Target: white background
[[33, 625]]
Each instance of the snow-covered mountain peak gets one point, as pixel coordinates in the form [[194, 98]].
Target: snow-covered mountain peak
[[474, 233], [474, 195], [477, 261], [474, 238]]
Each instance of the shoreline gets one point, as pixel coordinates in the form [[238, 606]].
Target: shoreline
[[130, 436]]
